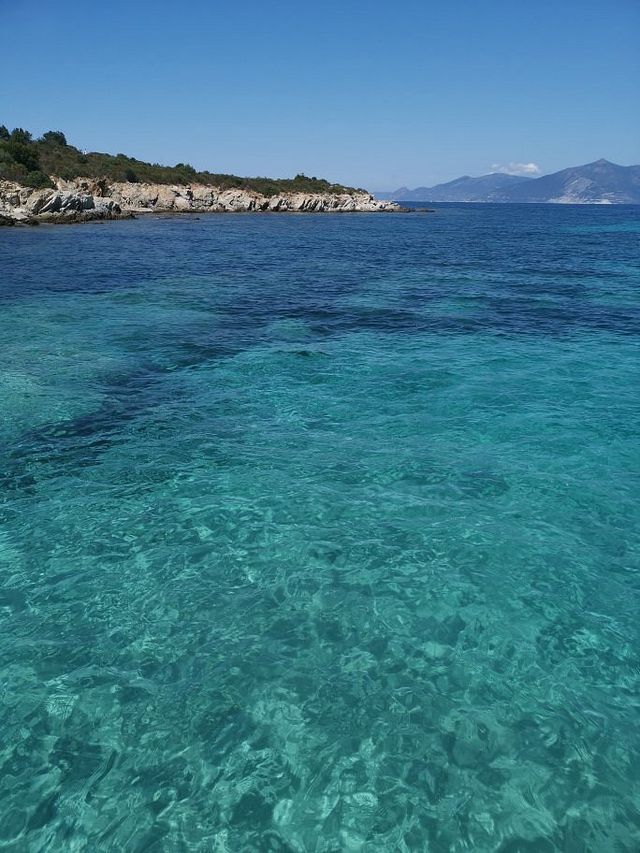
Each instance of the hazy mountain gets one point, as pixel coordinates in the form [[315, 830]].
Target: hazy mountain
[[486, 188], [601, 182]]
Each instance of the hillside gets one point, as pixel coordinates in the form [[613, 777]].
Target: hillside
[[32, 162]]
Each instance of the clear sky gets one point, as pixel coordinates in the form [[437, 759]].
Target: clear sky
[[378, 93]]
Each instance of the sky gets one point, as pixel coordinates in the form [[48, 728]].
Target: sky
[[372, 93]]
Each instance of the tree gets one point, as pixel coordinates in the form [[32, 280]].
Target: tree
[[4, 133], [18, 134], [55, 137]]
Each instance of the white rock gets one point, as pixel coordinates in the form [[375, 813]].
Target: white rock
[[103, 198]]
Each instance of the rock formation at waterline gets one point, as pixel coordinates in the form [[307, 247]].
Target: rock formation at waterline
[[84, 199]]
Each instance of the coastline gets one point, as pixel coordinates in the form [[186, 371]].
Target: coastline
[[89, 200]]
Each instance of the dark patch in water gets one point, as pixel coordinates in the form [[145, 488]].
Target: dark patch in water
[[78, 442], [481, 484]]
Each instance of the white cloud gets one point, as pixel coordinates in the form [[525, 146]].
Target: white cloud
[[517, 168]]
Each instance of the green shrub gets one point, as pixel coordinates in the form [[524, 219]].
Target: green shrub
[[38, 180], [23, 153]]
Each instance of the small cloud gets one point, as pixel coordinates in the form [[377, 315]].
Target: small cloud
[[516, 168]]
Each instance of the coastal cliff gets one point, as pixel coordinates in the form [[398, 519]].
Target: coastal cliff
[[84, 199]]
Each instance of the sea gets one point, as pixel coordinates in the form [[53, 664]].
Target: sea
[[322, 532]]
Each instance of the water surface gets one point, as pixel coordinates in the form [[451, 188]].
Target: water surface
[[321, 532]]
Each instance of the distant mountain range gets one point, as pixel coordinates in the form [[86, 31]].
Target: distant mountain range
[[601, 182]]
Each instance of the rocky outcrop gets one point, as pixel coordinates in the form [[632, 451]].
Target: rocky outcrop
[[198, 197], [24, 204], [85, 198]]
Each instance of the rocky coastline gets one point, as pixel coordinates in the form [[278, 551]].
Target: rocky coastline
[[88, 199]]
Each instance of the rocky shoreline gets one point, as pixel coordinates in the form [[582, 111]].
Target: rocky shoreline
[[87, 199]]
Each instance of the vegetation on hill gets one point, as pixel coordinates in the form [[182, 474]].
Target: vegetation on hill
[[32, 162]]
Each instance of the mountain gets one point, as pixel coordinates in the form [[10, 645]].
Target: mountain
[[601, 182], [486, 188]]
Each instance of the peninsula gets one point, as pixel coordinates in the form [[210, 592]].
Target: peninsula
[[48, 180]]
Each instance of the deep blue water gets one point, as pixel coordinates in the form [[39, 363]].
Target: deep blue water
[[321, 533]]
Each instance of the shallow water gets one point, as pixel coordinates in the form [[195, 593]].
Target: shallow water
[[321, 533]]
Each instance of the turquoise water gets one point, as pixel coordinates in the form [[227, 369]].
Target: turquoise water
[[321, 533]]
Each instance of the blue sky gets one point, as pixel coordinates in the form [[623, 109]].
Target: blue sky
[[377, 93]]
